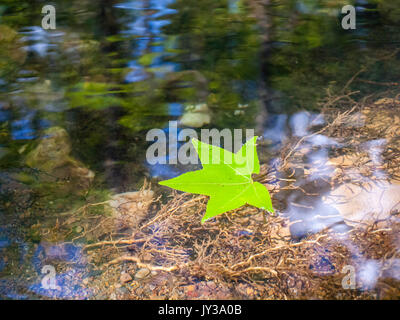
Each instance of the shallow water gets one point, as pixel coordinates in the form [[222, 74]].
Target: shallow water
[[113, 70]]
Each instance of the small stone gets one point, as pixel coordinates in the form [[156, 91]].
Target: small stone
[[196, 116], [51, 154], [191, 291], [211, 285], [195, 120], [367, 203], [123, 291], [249, 291], [125, 277], [190, 287], [245, 290], [95, 273], [147, 257], [130, 208], [346, 160], [142, 273]]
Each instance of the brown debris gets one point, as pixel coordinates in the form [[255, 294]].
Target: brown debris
[[248, 259], [248, 254]]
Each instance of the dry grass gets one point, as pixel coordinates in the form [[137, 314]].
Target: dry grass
[[240, 248], [248, 246]]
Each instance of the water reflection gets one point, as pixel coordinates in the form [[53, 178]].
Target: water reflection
[[39, 41], [68, 284], [149, 18], [364, 196], [123, 68]]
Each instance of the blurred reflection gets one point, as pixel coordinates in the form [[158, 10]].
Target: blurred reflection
[[112, 70]]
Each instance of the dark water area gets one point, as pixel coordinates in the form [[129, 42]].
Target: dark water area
[[113, 70]]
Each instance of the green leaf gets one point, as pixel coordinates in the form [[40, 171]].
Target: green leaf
[[225, 178]]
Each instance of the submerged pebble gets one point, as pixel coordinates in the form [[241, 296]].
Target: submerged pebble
[[142, 273], [125, 277]]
